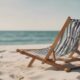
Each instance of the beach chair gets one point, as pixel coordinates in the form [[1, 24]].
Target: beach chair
[[64, 47]]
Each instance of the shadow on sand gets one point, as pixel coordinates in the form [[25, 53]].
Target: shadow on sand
[[74, 68]]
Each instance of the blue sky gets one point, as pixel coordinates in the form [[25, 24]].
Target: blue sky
[[36, 14]]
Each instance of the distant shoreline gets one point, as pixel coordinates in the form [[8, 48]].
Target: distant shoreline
[[26, 37]]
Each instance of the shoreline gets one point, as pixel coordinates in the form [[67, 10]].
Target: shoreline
[[29, 46]]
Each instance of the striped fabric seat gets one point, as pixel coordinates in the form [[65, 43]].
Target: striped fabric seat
[[67, 43], [39, 52], [69, 40]]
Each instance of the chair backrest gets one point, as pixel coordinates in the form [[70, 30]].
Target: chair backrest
[[66, 39], [68, 42]]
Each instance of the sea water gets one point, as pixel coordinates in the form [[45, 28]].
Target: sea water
[[26, 37]]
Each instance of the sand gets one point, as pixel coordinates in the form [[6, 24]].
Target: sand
[[13, 66]]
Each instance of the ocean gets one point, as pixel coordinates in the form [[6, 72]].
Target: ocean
[[26, 37]]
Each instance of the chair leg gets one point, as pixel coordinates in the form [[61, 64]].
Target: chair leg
[[62, 67], [71, 55], [78, 52], [31, 62]]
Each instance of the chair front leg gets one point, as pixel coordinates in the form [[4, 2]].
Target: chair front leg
[[31, 62]]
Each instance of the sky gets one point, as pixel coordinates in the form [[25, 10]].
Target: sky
[[37, 14]]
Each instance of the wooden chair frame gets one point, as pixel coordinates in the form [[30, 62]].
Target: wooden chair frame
[[53, 62]]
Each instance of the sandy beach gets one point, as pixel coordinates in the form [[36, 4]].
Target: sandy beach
[[13, 66]]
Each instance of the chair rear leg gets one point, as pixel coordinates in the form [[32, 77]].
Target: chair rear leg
[[71, 55], [78, 52], [31, 62]]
